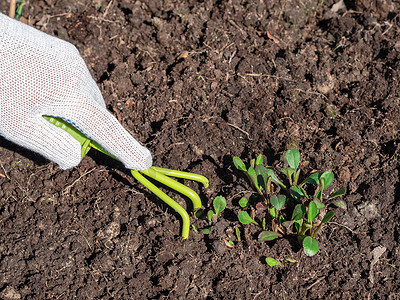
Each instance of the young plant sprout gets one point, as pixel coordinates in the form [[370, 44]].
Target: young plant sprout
[[272, 262], [291, 209], [219, 205], [159, 174]]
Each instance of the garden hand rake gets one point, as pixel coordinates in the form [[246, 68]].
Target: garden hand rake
[[159, 174]]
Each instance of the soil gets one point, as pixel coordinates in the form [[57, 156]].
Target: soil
[[199, 82]]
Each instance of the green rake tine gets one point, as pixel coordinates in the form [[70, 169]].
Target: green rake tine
[[168, 200], [177, 186], [181, 174]]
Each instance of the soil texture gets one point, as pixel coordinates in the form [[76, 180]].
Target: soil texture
[[199, 82]]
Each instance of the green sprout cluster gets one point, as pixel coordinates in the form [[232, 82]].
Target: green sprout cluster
[[294, 207], [219, 205]]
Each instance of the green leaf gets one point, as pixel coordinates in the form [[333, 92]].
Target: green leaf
[[239, 164], [329, 215], [296, 177], [273, 212], [319, 204], [259, 160], [288, 172], [261, 176], [296, 192], [207, 230], [298, 212], [340, 204], [244, 218], [268, 236], [322, 184], [297, 225], [338, 193], [310, 246], [288, 224], [268, 184], [252, 176], [278, 201], [304, 192], [328, 177], [237, 231], [243, 202], [271, 173], [219, 205], [272, 262], [210, 214], [293, 158], [312, 212], [319, 194], [313, 179]]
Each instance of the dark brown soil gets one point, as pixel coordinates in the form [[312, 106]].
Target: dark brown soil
[[199, 82]]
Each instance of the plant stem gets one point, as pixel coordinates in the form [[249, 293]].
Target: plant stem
[[317, 229], [304, 229]]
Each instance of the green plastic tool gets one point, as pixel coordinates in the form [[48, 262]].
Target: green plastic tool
[[159, 174]]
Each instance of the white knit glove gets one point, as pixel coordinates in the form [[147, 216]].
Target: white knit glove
[[43, 75]]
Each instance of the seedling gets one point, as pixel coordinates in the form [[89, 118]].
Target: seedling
[[245, 218], [272, 262], [394, 267], [231, 243], [195, 229], [159, 174], [219, 205], [291, 210], [243, 202], [238, 236], [15, 164], [18, 11], [265, 235]]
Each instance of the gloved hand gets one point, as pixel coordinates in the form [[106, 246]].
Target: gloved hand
[[43, 75]]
